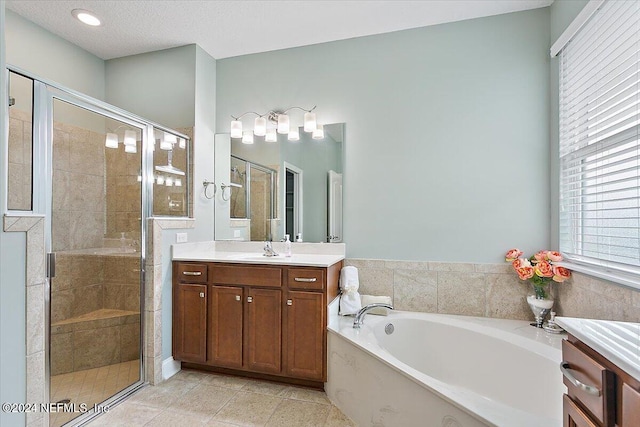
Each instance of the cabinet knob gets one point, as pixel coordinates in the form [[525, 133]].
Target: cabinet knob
[[201, 294], [289, 302], [249, 299], [237, 297]]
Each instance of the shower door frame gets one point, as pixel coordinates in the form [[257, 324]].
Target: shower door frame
[[44, 94]]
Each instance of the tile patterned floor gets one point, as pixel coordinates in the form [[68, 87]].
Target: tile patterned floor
[[91, 386], [192, 398]]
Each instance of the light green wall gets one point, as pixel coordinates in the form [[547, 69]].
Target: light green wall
[[446, 147], [12, 279], [46, 55], [159, 86], [563, 12]]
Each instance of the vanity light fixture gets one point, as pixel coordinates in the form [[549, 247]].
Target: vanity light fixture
[[281, 122], [271, 135], [318, 133], [168, 141], [111, 140], [86, 17], [247, 137]]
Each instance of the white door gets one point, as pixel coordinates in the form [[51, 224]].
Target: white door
[[334, 204]]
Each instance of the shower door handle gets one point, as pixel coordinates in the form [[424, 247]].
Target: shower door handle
[[51, 265]]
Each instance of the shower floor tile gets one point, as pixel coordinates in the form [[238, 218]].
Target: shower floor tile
[[91, 386], [193, 398]]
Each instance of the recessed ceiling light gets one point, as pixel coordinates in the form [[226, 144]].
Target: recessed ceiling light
[[86, 17]]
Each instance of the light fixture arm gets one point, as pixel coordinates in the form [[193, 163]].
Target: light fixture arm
[[272, 115]]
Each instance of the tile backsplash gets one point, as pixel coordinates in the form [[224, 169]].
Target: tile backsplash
[[488, 290]]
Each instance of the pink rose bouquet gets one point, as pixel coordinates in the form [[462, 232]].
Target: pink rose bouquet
[[538, 269]]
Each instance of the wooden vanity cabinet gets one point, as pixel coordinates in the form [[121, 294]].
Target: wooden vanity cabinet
[[617, 405], [190, 312], [267, 321]]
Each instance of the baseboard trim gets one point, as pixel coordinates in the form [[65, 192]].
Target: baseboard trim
[[170, 367]]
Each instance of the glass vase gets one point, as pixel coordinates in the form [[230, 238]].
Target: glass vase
[[540, 301]]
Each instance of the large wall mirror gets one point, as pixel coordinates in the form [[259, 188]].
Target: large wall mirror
[[265, 190]]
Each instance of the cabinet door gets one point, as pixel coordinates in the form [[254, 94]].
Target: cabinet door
[[225, 326], [263, 342], [190, 322], [630, 407], [304, 335], [574, 416]]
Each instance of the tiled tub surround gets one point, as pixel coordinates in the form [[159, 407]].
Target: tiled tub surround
[[488, 290], [95, 310]]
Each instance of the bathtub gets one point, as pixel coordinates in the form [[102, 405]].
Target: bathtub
[[438, 370]]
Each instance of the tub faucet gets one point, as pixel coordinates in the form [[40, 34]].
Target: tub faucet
[[268, 250], [364, 310]]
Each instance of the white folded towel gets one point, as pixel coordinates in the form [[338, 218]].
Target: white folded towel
[[370, 299], [349, 284], [349, 278]]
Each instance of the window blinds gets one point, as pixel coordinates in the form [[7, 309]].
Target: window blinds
[[599, 139]]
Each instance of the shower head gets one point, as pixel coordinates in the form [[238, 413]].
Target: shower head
[[169, 168]]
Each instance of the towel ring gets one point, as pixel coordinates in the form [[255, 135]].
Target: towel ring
[[206, 185]]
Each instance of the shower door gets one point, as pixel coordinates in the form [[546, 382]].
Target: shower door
[[95, 223]]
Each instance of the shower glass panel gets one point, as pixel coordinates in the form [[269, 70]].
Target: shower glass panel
[[95, 232], [170, 160], [261, 191], [238, 204], [20, 143]]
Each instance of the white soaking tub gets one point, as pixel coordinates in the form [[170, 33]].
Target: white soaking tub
[[438, 370]]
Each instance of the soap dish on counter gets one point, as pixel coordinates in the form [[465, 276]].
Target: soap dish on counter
[[553, 328]]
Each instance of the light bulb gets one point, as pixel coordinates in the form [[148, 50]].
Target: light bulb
[[130, 138], [130, 149], [178, 182], [160, 180], [86, 17], [310, 122], [111, 140], [168, 182], [247, 137], [182, 143], [283, 123], [236, 129], [294, 134], [271, 136], [260, 126], [139, 178], [168, 140], [318, 133]]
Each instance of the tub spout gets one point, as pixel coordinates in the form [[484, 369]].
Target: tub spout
[[364, 310]]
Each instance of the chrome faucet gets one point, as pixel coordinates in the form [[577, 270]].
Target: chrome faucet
[[360, 315], [268, 250]]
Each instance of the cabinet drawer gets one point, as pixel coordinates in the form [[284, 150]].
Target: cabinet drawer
[[246, 275], [192, 273], [582, 372], [305, 278], [574, 416]]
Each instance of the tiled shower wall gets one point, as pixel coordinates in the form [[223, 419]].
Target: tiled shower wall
[[488, 290], [78, 188], [19, 188]]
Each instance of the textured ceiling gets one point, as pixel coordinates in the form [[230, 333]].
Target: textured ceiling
[[232, 28]]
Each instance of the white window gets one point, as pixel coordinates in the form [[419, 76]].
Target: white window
[[599, 142]]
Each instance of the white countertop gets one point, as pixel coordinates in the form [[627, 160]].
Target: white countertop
[[304, 254], [617, 341]]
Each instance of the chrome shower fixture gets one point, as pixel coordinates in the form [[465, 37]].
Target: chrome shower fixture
[[169, 168]]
